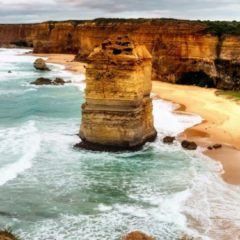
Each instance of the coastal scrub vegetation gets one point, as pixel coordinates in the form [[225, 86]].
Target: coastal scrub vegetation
[[231, 94], [199, 78], [217, 28], [220, 28]]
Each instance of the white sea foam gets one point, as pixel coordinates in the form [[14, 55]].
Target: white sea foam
[[9, 56], [213, 205], [122, 218], [104, 208], [168, 122], [23, 142], [210, 203]]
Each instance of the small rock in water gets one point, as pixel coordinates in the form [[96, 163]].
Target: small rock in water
[[40, 64], [47, 81], [58, 81], [187, 237], [168, 139], [189, 145], [9, 71], [42, 81], [137, 236]]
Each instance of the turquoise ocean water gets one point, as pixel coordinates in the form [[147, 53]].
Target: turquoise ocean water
[[48, 190]]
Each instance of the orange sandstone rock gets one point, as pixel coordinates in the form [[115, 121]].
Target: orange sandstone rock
[[137, 236], [177, 46], [118, 109], [7, 235]]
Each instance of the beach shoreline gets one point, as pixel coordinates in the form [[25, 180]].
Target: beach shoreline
[[220, 117]]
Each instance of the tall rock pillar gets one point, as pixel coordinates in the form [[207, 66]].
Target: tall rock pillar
[[117, 114]]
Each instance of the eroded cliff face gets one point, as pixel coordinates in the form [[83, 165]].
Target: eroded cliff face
[[117, 113], [177, 47]]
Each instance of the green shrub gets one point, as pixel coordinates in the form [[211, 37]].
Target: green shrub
[[232, 94], [220, 28]]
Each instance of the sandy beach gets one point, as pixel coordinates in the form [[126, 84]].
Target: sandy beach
[[220, 117], [220, 123]]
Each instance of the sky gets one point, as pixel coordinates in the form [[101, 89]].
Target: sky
[[25, 11]]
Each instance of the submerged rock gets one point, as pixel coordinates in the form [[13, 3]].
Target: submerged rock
[[189, 145], [187, 237], [40, 64], [137, 236], [47, 81], [168, 139]]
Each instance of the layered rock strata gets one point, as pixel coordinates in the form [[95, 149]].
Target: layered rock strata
[[177, 46], [117, 114]]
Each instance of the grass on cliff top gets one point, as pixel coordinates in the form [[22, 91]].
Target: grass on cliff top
[[216, 28], [231, 94], [144, 20]]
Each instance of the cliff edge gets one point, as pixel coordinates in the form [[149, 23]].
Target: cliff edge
[[178, 47]]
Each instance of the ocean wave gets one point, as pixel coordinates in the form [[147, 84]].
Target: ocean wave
[[210, 205], [213, 206], [24, 142]]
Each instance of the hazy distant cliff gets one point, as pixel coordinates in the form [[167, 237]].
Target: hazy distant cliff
[[178, 47]]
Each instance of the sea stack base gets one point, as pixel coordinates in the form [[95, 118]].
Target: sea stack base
[[96, 147]]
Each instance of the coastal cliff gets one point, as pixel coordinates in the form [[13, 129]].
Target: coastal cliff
[[177, 47], [117, 113]]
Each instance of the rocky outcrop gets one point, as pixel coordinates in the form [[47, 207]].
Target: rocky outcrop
[[40, 64], [118, 110], [169, 139], [137, 236], [177, 46], [228, 74], [189, 145], [47, 81], [215, 146], [187, 237]]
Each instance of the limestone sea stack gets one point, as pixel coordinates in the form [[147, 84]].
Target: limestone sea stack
[[40, 64], [117, 114]]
